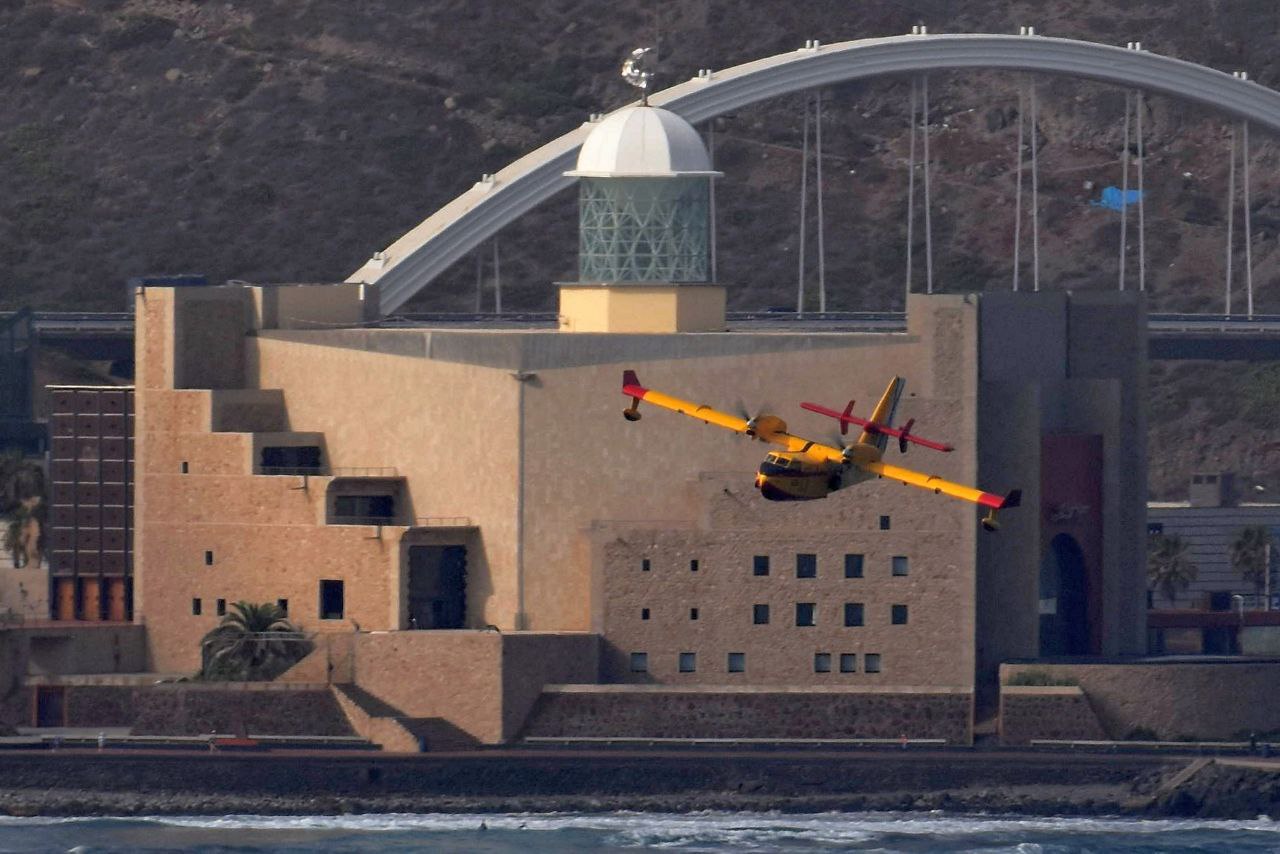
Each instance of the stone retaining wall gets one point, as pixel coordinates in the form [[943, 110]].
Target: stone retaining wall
[[1064, 712], [1219, 699], [572, 711], [197, 709]]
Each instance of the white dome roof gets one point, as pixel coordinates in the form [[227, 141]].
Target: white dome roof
[[642, 142]]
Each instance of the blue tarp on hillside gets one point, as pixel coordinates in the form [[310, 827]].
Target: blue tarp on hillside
[[1113, 198]]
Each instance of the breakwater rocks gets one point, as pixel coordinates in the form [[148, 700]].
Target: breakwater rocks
[[508, 781]]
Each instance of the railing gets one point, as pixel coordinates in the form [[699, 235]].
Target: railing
[[443, 522], [380, 521], [364, 471], [291, 470]]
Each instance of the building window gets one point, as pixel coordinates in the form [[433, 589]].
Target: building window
[[853, 566], [195, 607], [645, 566], [806, 566], [760, 615], [644, 613], [805, 612], [900, 565], [871, 662], [693, 613], [853, 614], [283, 605], [884, 523], [737, 662], [222, 607], [1155, 528], [848, 662], [332, 600], [639, 662], [208, 558], [688, 662], [693, 565], [185, 468], [760, 565], [822, 662], [898, 615]]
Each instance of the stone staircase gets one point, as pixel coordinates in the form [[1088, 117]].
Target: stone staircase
[[393, 731]]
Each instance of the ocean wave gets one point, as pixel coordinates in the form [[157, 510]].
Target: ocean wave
[[685, 829]]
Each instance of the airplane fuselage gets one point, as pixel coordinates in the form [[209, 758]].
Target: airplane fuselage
[[797, 477]]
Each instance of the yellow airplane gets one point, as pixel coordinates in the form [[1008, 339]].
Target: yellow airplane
[[805, 470]]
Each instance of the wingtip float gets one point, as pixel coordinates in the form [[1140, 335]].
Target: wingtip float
[[805, 470]]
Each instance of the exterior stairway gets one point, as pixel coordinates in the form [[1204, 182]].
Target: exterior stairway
[[385, 726]]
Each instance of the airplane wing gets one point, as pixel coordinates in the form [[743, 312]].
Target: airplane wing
[[766, 428], [937, 485]]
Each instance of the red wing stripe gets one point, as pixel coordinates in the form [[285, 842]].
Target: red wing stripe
[[883, 429]]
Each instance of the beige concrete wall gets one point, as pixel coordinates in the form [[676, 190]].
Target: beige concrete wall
[[24, 593], [454, 675], [532, 661], [642, 308], [309, 306], [928, 650], [450, 430], [1209, 700]]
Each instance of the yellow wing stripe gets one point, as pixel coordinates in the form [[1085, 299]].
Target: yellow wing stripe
[[933, 484]]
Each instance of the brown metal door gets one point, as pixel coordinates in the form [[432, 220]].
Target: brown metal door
[[115, 600], [91, 599], [65, 599]]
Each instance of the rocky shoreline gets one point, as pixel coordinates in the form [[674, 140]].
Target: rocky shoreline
[[1211, 791]]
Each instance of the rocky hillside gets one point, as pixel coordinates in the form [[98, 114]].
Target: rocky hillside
[[288, 139]]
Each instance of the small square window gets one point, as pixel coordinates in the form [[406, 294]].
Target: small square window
[[196, 606], [822, 662], [760, 614], [283, 605], [760, 565], [688, 662], [693, 565], [639, 662], [853, 614], [806, 566], [208, 558], [899, 615], [853, 566], [848, 662], [805, 613], [222, 607], [644, 613], [693, 613], [871, 662], [900, 565], [884, 523], [737, 662], [186, 469], [645, 566]]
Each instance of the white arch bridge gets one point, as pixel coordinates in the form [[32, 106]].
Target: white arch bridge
[[412, 262]]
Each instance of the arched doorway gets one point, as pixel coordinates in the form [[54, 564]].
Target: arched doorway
[[1064, 599]]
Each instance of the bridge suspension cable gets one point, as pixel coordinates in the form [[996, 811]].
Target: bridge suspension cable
[[1124, 186], [928, 203], [822, 227], [911, 184], [1035, 187], [1231, 216], [1248, 231], [1142, 195], [804, 196]]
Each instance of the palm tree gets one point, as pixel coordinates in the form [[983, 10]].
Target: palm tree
[[22, 491], [1169, 569], [1250, 553], [253, 642]]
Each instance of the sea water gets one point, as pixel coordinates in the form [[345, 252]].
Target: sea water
[[565, 832]]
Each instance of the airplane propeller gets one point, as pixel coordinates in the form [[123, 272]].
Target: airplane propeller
[[740, 409]]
